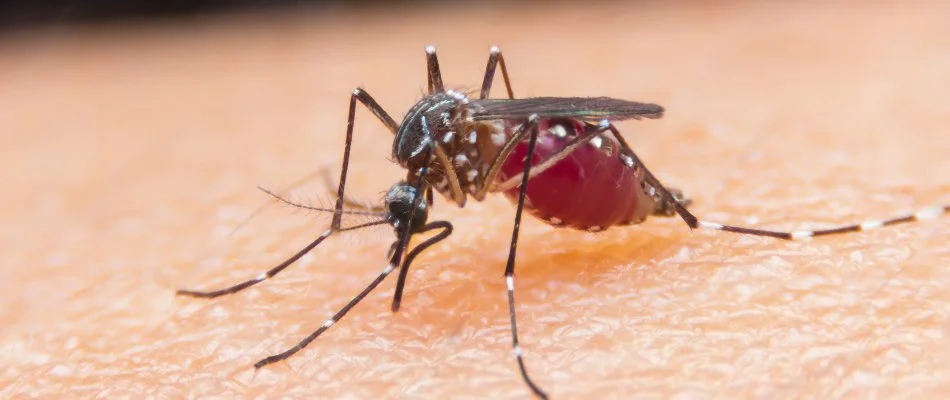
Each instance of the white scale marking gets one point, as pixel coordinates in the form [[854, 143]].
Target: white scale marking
[[472, 137], [510, 280], [558, 131], [710, 225], [802, 235], [448, 137], [458, 96], [460, 160], [868, 225], [261, 277], [597, 142], [627, 160], [471, 174], [328, 323], [929, 213], [424, 142], [517, 349]]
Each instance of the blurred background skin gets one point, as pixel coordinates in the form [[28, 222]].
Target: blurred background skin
[[132, 137]]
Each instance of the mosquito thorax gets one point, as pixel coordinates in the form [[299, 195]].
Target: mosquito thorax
[[466, 146], [432, 115], [399, 201]]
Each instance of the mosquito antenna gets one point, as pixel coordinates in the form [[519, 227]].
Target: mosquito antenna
[[264, 206], [347, 200], [321, 209]]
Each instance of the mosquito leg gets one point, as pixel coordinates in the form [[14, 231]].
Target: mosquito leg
[[382, 115], [433, 74], [590, 132], [404, 270], [348, 201], [369, 102], [666, 207], [531, 125], [328, 323], [374, 107], [495, 59], [260, 278], [402, 241], [695, 223]]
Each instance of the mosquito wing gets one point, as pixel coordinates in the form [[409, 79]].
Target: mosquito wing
[[589, 109]]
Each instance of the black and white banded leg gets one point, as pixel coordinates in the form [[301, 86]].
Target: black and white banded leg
[[433, 73], [927, 213], [338, 211], [399, 246], [495, 59], [531, 125]]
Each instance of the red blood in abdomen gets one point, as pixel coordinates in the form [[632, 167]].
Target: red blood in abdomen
[[589, 189]]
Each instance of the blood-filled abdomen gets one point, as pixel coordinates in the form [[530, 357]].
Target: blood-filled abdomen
[[592, 188]]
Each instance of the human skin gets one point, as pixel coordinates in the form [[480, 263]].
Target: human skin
[[129, 153]]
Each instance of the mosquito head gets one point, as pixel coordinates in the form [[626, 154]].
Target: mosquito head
[[399, 201]]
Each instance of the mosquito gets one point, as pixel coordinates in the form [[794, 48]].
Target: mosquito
[[561, 159]]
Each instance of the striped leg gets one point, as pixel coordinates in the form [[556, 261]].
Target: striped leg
[[921, 215], [495, 59], [335, 225], [531, 125], [590, 132], [433, 73], [695, 223], [404, 233], [332, 320]]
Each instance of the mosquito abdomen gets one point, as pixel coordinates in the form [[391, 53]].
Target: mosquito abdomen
[[592, 188]]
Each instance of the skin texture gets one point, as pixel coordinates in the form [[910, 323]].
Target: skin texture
[[130, 152]]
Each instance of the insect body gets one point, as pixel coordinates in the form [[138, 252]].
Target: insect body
[[594, 186], [562, 159]]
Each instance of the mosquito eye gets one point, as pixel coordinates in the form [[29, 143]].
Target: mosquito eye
[[399, 201]]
